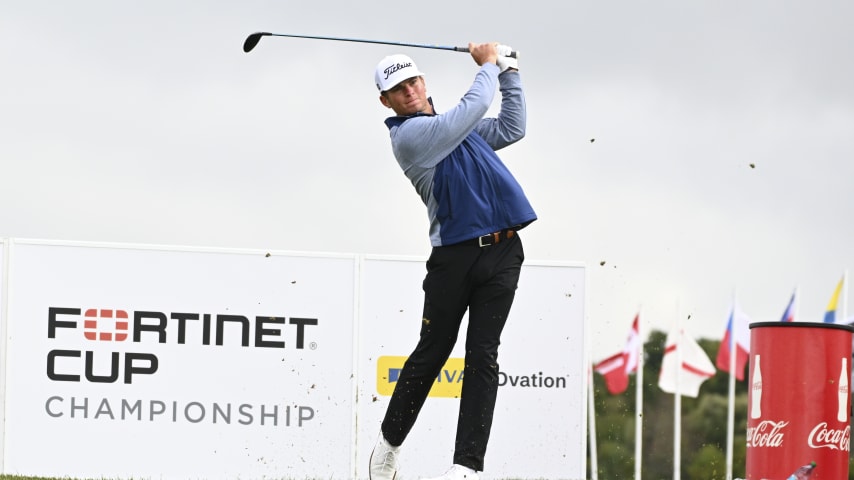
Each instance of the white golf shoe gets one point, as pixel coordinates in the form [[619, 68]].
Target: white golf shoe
[[457, 472], [383, 463]]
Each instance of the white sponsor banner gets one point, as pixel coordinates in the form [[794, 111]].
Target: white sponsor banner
[[540, 418], [129, 362]]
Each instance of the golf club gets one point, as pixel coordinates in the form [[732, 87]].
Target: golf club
[[253, 39]]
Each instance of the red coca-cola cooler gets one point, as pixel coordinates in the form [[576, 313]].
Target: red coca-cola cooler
[[799, 405]]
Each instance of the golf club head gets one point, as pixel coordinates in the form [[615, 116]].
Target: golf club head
[[253, 40]]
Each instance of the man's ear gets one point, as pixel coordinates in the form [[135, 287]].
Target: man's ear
[[384, 101]]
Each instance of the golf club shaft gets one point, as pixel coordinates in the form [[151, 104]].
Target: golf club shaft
[[254, 38]]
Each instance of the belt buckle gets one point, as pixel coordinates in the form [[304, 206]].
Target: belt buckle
[[480, 239]]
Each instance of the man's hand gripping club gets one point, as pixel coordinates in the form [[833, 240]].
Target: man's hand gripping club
[[494, 53]]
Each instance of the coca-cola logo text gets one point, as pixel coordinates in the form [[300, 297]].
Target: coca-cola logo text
[[767, 433], [834, 439]]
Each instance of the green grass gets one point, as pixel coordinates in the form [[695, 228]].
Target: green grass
[[4, 476], [20, 477]]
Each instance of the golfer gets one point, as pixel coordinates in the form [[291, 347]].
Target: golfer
[[476, 208]]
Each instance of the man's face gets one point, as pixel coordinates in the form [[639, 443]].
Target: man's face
[[407, 97]]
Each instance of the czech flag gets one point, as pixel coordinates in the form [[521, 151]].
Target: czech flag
[[738, 329]]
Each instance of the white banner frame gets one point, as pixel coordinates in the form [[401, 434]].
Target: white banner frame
[[19, 274]]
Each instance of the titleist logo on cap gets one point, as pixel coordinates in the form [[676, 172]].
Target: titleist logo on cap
[[397, 66]]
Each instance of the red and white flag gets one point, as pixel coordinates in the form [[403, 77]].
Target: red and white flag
[[614, 371], [696, 366], [617, 367], [633, 348]]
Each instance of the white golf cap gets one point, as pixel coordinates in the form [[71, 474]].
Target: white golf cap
[[394, 69]]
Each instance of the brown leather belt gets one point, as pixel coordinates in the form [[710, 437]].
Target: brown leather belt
[[490, 238]]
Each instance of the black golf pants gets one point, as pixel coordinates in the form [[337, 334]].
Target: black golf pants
[[483, 281]]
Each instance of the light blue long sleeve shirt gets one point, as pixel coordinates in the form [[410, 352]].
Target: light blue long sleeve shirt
[[451, 161]]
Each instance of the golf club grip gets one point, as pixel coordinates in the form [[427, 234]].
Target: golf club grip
[[513, 54]]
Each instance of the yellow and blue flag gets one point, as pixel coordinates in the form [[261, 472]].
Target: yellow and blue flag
[[830, 313]]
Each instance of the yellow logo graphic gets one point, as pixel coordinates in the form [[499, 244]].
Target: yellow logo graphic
[[448, 383]]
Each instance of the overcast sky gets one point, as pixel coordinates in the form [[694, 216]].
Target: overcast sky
[[722, 160]]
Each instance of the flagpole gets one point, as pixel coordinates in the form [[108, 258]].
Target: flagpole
[[591, 405], [639, 402], [730, 424], [591, 416], [844, 297], [677, 399]]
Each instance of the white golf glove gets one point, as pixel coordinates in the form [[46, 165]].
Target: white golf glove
[[505, 61]]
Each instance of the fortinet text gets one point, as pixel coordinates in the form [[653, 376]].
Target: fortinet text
[[199, 328]]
